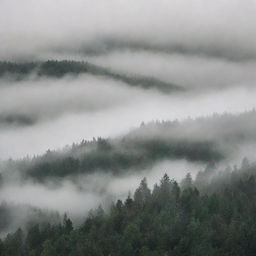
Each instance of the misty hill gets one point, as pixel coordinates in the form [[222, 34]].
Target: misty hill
[[171, 219], [222, 128], [108, 45], [205, 140], [59, 69]]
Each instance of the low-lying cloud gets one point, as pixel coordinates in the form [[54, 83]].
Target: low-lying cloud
[[51, 113]]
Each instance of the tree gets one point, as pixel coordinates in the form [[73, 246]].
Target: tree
[[187, 182], [142, 193], [67, 223]]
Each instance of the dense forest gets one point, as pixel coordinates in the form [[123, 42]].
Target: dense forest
[[211, 215]]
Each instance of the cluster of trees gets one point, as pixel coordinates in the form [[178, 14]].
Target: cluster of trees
[[58, 69], [172, 219], [106, 155], [18, 70]]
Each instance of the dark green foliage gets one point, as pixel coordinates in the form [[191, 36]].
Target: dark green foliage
[[106, 155], [167, 221]]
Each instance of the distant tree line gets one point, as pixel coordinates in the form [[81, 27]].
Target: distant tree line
[[58, 69], [111, 156]]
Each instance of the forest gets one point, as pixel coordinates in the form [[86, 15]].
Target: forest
[[214, 214]]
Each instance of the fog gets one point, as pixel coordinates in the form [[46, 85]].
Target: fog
[[206, 47], [77, 196], [81, 112]]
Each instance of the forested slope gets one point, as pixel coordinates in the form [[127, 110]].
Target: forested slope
[[203, 140], [172, 219]]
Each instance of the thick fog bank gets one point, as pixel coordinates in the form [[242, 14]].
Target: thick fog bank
[[77, 196]]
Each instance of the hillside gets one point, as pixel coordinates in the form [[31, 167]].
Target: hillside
[[209, 139], [171, 219]]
